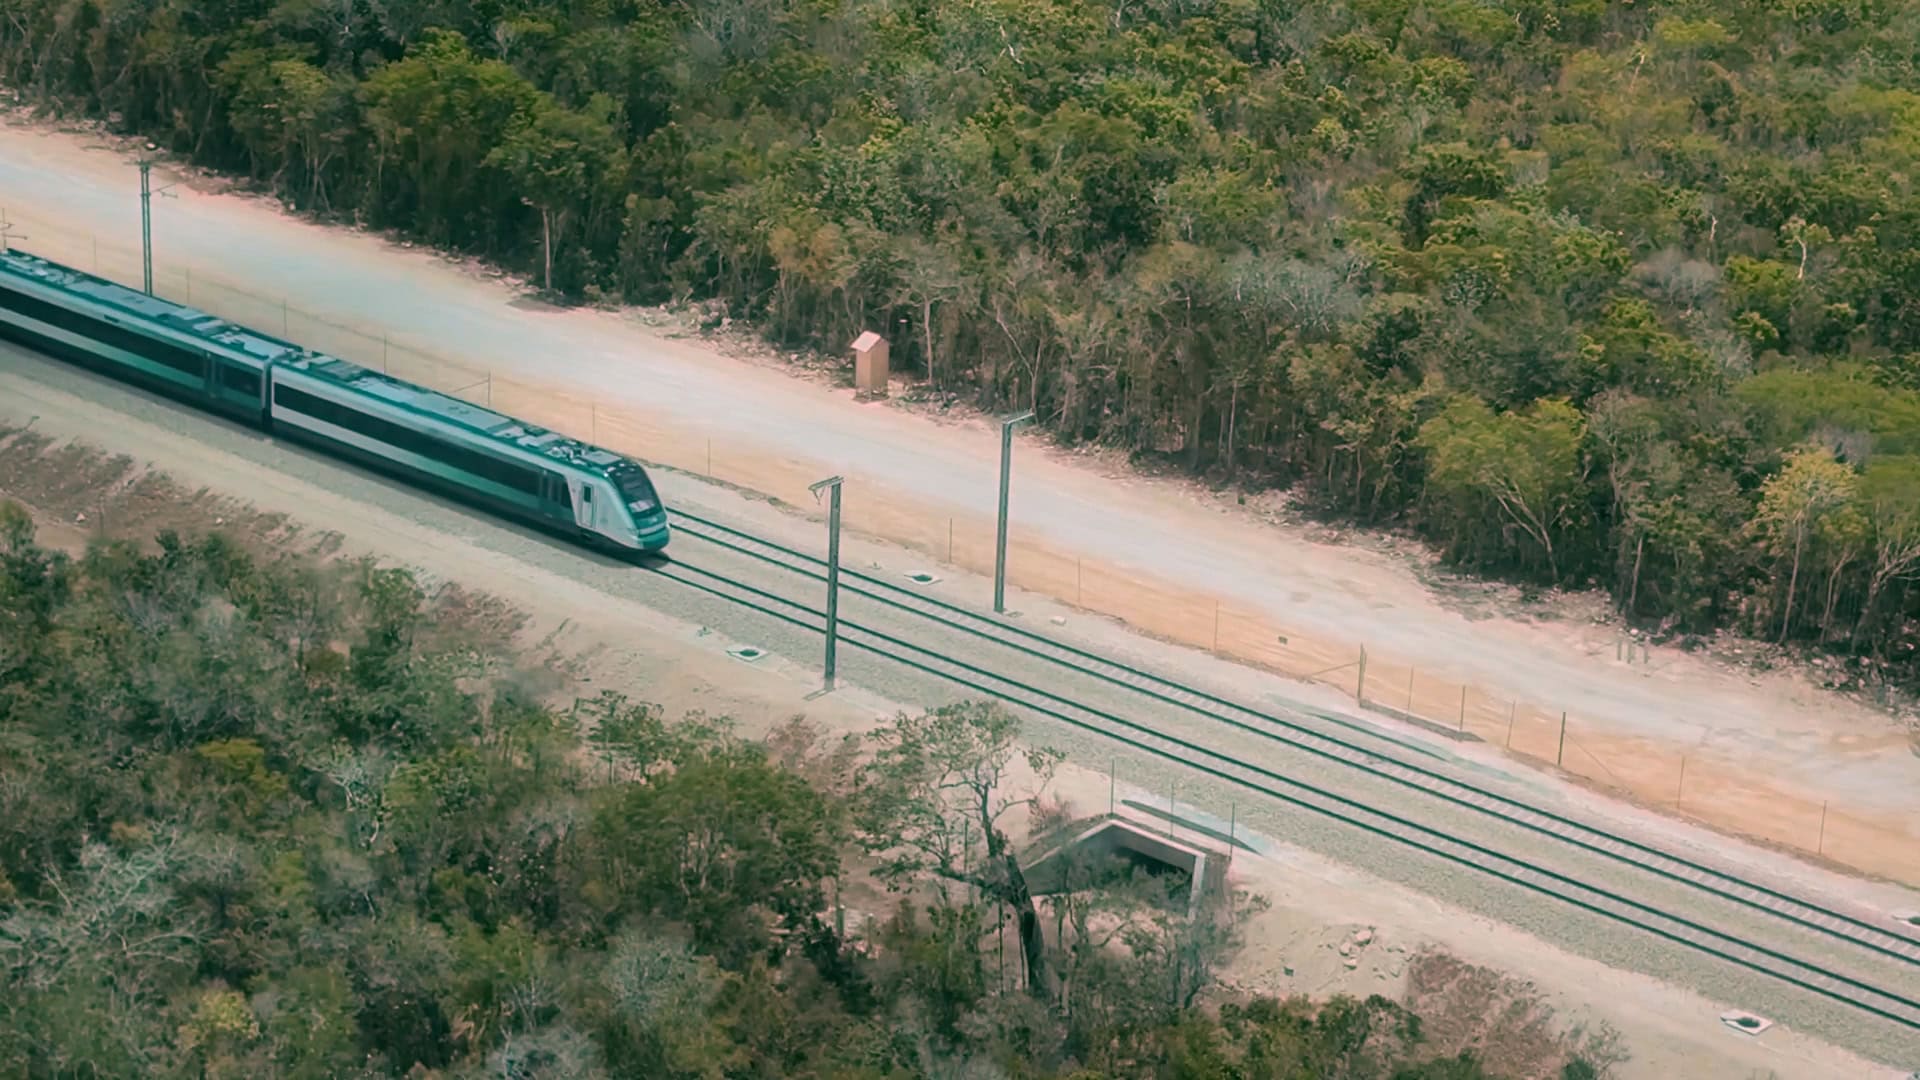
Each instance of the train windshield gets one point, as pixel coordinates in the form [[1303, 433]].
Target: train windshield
[[635, 487]]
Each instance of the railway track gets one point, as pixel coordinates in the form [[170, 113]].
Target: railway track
[[1844, 960], [1843, 957]]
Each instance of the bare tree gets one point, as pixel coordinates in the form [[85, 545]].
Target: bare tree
[[939, 784]]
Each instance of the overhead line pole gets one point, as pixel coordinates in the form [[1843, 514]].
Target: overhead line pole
[[146, 222], [832, 484], [1000, 538], [7, 235]]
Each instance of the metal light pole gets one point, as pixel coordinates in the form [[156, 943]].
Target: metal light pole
[[146, 222], [1000, 538], [833, 568]]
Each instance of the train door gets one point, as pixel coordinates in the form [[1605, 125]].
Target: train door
[[586, 513], [557, 500]]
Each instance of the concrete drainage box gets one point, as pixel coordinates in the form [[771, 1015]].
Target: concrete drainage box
[[1206, 870]]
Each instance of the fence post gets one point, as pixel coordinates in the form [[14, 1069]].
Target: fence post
[[1512, 708], [1411, 673], [1561, 755], [1360, 684], [1463, 706], [1680, 789], [1216, 626], [1820, 848]]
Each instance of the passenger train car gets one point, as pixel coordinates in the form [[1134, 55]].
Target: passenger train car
[[541, 477]]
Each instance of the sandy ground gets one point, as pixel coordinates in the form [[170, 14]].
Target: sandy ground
[[1767, 754], [1331, 929]]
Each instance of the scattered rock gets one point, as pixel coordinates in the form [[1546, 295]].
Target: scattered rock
[[1059, 620]]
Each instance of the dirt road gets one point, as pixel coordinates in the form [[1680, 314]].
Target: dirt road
[[1773, 748]]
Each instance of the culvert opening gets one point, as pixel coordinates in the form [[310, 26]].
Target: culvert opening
[[747, 653], [921, 577]]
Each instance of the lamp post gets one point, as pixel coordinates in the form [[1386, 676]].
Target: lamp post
[[146, 222], [1000, 538], [832, 484]]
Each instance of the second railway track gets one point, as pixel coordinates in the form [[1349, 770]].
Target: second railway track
[[1842, 956]]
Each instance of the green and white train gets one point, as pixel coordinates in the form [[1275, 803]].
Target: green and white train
[[587, 493]]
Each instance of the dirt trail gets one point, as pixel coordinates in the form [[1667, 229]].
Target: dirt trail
[[1768, 755]]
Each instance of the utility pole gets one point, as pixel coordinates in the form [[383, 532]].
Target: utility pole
[[1000, 539], [832, 483], [146, 221]]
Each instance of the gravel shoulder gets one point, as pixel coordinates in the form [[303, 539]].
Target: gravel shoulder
[[634, 630]]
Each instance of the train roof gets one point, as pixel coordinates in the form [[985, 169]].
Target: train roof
[[497, 427], [228, 337], [263, 349]]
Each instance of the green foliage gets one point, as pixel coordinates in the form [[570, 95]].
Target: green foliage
[[219, 858], [1157, 226], [1522, 469]]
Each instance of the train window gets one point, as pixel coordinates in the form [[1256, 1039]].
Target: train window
[[635, 487], [241, 379], [182, 360], [486, 466]]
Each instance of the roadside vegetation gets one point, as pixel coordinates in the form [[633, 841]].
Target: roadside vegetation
[[283, 818], [1585, 293]]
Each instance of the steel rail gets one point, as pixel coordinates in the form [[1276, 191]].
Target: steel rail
[[1683, 931], [1561, 827]]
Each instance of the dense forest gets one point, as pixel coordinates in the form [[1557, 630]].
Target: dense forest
[[279, 819], [1586, 293]]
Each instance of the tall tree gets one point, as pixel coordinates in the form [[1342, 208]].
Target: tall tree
[[1806, 506], [561, 161]]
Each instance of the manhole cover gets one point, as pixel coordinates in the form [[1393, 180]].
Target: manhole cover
[[921, 577], [747, 653], [1746, 1023], [1910, 918]]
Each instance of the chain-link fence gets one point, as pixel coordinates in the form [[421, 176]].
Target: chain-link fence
[[1715, 792]]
